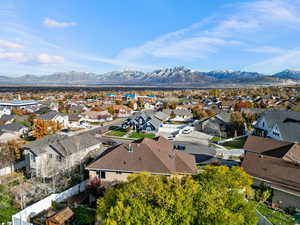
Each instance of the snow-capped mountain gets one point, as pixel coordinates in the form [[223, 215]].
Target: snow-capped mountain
[[293, 74], [168, 76]]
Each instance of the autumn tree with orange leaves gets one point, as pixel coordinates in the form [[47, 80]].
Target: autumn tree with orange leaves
[[42, 128]]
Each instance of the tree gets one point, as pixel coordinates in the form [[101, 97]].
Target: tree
[[149, 199], [223, 197], [218, 195], [42, 128], [237, 121], [130, 104], [7, 206]]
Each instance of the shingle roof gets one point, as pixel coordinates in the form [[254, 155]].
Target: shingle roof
[[281, 173], [262, 145], [224, 116], [290, 131], [50, 115], [155, 156], [71, 144], [161, 116], [279, 116], [39, 146], [12, 127]]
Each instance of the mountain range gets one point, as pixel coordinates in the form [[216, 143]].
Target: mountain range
[[177, 76]]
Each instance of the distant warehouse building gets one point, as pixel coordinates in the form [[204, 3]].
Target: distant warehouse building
[[18, 103]]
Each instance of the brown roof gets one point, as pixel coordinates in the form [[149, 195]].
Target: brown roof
[[263, 145], [293, 155], [62, 216], [281, 149], [280, 173], [151, 155]]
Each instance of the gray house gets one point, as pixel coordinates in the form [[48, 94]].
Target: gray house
[[217, 125], [56, 153], [145, 121], [281, 125]]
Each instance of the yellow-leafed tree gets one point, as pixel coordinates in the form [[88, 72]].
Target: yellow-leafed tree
[[41, 128]]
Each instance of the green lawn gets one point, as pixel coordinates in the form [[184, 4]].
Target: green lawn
[[138, 135], [118, 133], [275, 217], [83, 215], [238, 143], [216, 139]]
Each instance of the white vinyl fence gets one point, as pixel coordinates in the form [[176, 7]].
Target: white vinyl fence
[[22, 217]]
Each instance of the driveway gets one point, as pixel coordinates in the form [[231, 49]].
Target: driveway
[[196, 143]]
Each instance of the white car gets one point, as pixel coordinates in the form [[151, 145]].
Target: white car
[[186, 131]]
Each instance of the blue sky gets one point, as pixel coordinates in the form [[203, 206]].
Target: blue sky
[[42, 37]]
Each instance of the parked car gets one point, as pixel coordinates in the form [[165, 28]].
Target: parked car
[[186, 131]]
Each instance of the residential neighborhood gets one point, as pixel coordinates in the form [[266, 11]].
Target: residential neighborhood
[[97, 140]]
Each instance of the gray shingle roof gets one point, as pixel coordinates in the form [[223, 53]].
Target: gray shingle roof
[[73, 144], [224, 116], [39, 146], [50, 115], [12, 127], [279, 116]]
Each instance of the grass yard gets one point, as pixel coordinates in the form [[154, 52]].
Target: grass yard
[[216, 139], [84, 215], [118, 133], [138, 135], [275, 217], [238, 143]]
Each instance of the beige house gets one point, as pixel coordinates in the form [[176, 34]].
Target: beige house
[[56, 153], [156, 156], [275, 164]]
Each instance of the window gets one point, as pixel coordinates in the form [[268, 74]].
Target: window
[[50, 156], [58, 157], [102, 175], [118, 172]]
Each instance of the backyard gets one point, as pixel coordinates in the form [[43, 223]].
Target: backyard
[[234, 144], [139, 135], [274, 216], [118, 133]]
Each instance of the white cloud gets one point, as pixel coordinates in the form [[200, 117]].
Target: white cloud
[[266, 50], [238, 28], [51, 23], [8, 44], [24, 58], [289, 59]]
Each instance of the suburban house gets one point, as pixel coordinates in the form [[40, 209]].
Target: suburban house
[[56, 116], [155, 156], [180, 115], [146, 121], [15, 129], [217, 125], [74, 120], [4, 111], [55, 153], [275, 164], [97, 116], [122, 111], [280, 125], [6, 119]]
